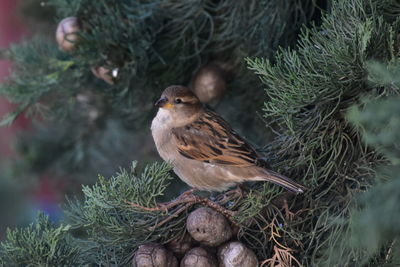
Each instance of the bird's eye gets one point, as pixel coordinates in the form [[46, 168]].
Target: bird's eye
[[178, 101]]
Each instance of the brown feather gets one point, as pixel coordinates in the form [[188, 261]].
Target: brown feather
[[215, 142], [284, 181]]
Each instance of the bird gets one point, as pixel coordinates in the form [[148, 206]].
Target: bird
[[204, 150]]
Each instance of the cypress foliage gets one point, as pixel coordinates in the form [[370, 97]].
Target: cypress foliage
[[375, 224], [113, 227], [310, 89], [333, 111], [40, 244]]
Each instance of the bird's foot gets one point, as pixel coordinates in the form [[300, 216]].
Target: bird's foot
[[238, 192], [241, 190], [187, 199], [221, 209]]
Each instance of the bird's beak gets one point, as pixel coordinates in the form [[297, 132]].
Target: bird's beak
[[163, 103]]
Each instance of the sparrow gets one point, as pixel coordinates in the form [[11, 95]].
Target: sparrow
[[206, 153]]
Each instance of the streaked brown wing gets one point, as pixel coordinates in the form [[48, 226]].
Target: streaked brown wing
[[210, 139]]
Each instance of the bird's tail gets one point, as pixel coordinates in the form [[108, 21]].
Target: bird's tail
[[284, 181]]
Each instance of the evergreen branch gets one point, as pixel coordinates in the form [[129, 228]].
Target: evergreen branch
[[383, 132], [9, 118], [385, 75], [40, 244], [117, 228], [39, 70], [310, 89]]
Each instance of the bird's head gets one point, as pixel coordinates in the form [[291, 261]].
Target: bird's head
[[180, 103]]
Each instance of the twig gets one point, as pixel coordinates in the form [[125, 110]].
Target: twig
[[390, 250], [169, 218], [281, 258], [189, 199]]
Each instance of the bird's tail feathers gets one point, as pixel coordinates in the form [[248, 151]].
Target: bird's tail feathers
[[283, 181]]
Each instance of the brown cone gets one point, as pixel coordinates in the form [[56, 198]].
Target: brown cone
[[154, 255], [209, 84], [208, 226], [199, 257], [236, 254]]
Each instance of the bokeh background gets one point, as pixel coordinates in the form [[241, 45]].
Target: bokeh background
[[32, 149], [16, 203], [20, 197]]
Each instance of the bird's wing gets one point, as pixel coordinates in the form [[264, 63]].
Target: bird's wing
[[210, 139]]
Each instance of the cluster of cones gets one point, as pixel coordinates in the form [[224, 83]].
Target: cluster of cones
[[208, 242]]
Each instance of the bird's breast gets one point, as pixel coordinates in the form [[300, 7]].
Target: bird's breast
[[161, 131]]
